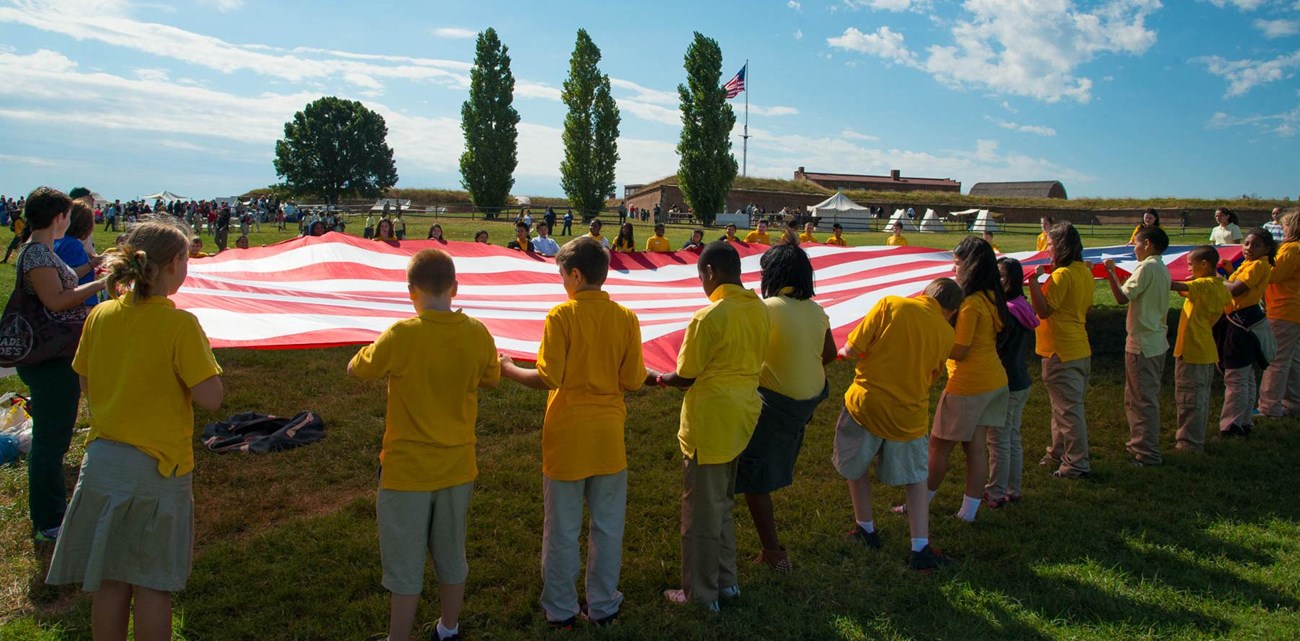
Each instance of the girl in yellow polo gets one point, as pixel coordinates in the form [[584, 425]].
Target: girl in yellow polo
[[129, 531]]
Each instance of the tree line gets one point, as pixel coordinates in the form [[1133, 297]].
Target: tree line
[[336, 147]]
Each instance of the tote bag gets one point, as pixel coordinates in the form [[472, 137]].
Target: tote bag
[[31, 334]]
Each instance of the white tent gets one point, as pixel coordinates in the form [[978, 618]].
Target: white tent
[[986, 221], [841, 209], [932, 222], [393, 204], [163, 195], [965, 213], [900, 216]]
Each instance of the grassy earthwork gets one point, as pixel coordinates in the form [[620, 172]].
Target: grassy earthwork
[[1203, 547]]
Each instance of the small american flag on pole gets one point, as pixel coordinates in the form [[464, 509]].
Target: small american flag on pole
[[736, 84]]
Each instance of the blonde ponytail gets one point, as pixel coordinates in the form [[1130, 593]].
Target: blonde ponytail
[[148, 247]]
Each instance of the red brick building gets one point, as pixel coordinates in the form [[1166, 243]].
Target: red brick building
[[895, 181]]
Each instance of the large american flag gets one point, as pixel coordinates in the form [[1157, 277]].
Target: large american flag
[[736, 84], [340, 289]]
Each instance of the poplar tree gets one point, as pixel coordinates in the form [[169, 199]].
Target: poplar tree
[[590, 130], [490, 124], [707, 166]]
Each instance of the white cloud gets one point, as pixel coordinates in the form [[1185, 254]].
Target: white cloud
[[455, 32], [1278, 28], [646, 94], [1244, 75], [663, 106], [1243, 5], [151, 74], [107, 21], [768, 111], [183, 145], [798, 34], [27, 160], [1033, 48], [883, 5], [1037, 130], [530, 89], [224, 6], [854, 135], [794, 5], [1284, 124], [1007, 106], [884, 43]]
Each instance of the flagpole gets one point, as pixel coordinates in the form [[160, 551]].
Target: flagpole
[[744, 167]]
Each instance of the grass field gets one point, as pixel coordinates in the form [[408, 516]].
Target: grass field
[[1204, 547]]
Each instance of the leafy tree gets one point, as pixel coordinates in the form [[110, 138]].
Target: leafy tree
[[590, 130], [707, 166], [490, 124], [333, 148]]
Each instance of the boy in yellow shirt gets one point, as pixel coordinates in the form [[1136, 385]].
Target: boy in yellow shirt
[[719, 365], [1195, 353], [435, 363], [759, 235], [657, 243], [896, 239], [1046, 223], [807, 235], [837, 238], [584, 341], [899, 349]]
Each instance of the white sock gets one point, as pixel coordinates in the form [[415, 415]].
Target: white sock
[[446, 632], [929, 495], [869, 526], [919, 544], [969, 506]]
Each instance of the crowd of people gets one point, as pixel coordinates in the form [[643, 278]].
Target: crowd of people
[[752, 365]]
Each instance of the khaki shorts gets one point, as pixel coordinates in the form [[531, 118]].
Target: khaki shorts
[[956, 417], [901, 462], [411, 523]]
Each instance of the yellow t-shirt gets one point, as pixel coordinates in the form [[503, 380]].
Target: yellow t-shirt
[[1042, 242], [590, 355], [657, 244], [19, 225], [1132, 239], [435, 364], [1206, 298], [723, 350], [1255, 274], [140, 359], [896, 241], [793, 365], [902, 344], [624, 246], [1282, 296], [995, 248], [756, 237], [981, 371], [604, 242], [837, 241], [1068, 291], [807, 238]]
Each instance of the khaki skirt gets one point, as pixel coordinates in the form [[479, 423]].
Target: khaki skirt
[[126, 523]]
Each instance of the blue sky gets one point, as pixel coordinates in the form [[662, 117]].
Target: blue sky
[[1137, 98]]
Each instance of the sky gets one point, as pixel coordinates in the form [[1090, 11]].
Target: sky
[[1115, 98]]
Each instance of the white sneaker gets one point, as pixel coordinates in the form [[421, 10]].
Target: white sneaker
[[678, 596], [729, 592]]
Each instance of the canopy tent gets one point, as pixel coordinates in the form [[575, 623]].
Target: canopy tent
[[228, 201], [526, 201], [965, 213], [393, 204], [841, 209], [932, 222], [900, 216], [163, 195], [986, 221]]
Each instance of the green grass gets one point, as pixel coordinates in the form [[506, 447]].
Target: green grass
[[1204, 547]]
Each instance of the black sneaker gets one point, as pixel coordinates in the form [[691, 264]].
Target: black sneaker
[[870, 539], [603, 622], [567, 624], [1235, 431], [928, 560]]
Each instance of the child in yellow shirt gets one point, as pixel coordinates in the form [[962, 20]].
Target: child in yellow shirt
[[1239, 351], [1279, 391], [759, 235], [807, 235], [896, 239], [141, 363], [584, 459], [1046, 223], [435, 363], [899, 350], [1195, 353], [658, 243], [837, 236], [719, 365]]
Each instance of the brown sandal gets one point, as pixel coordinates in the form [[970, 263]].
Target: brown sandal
[[778, 559]]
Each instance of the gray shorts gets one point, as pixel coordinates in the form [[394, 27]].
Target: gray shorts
[[901, 462], [411, 523], [957, 416]]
